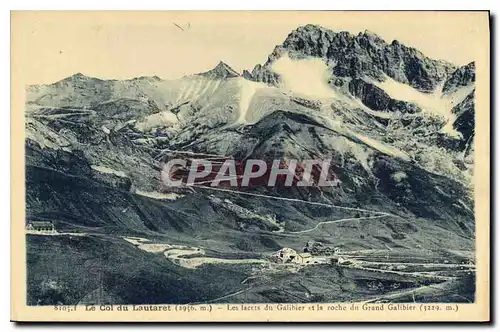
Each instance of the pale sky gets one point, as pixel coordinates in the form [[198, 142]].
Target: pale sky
[[120, 45]]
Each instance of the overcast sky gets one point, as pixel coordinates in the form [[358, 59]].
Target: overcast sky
[[125, 45]]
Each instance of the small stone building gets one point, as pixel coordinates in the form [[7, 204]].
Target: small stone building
[[290, 256], [317, 249], [41, 227]]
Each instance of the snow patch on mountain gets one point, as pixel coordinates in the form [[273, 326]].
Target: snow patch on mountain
[[380, 114], [161, 119], [384, 148], [449, 130], [107, 170], [105, 130], [210, 87], [399, 176], [248, 90], [339, 127], [196, 87], [347, 148], [433, 104], [430, 102], [158, 195], [306, 76]]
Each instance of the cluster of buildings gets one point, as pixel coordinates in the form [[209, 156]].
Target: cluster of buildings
[[40, 227], [313, 253]]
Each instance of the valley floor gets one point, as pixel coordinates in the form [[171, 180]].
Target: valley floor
[[367, 275]]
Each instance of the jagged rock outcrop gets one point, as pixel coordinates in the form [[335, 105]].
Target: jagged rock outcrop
[[371, 95], [263, 74], [360, 55], [464, 121], [377, 99], [461, 77]]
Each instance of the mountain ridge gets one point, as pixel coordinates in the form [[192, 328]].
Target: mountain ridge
[[362, 54]]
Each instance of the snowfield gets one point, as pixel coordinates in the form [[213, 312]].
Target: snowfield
[[107, 170]]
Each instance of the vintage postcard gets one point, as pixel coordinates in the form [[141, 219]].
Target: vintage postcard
[[250, 166]]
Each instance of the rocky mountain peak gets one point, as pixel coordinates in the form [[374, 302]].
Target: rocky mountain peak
[[365, 54], [78, 78], [372, 35], [221, 71]]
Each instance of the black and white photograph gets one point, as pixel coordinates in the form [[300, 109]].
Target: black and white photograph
[[223, 161]]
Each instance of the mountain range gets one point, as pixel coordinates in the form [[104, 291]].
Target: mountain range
[[397, 126]]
